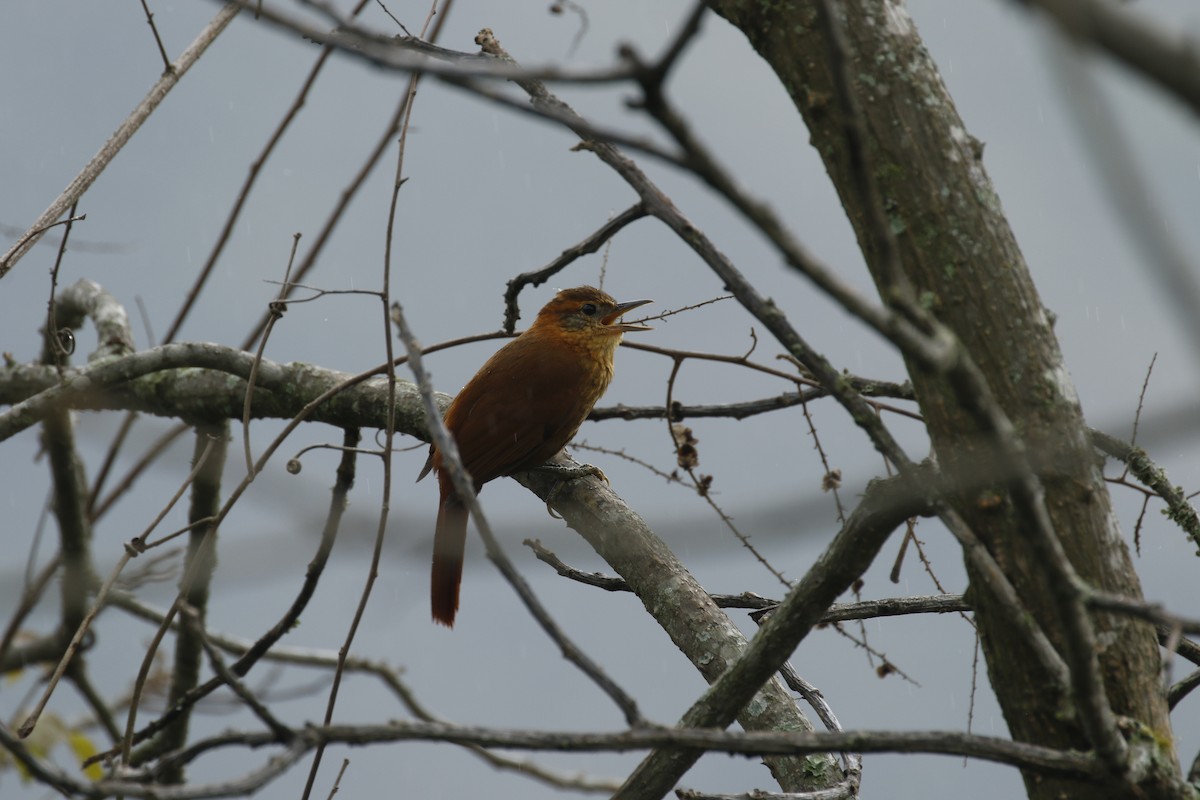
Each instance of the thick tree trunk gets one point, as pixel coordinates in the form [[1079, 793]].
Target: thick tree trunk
[[958, 252]]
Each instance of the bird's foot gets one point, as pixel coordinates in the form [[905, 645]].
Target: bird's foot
[[572, 473], [565, 474]]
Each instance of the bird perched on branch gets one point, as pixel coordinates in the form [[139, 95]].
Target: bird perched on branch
[[520, 409]]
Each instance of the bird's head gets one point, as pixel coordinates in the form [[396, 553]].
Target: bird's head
[[588, 311]]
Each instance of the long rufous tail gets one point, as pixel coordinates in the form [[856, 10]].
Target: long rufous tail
[[449, 545]]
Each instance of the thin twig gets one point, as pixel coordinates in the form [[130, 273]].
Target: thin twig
[[98, 508], [390, 426], [276, 309], [162, 51], [337, 782], [199, 565], [1162, 54], [125, 131], [250, 653], [59, 344], [1141, 403], [703, 484], [672, 478], [235, 210], [1044, 759], [132, 549], [588, 245], [30, 595], [282, 732]]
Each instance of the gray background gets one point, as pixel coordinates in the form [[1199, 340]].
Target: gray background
[[491, 194]]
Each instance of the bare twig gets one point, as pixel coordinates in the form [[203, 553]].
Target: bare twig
[[162, 51], [702, 483], [120, 137], [1163, 256], [59, 344], [30, 595], [1141, 403], [1183, 688], [1179, 510], [253, 652], [994, 749], [390, 426], [669, 477], [210, 451], [588, 245], [1164, 56], [75, 534], [812, 695], [131, 550], [283, 733], [97, 508], [235, 210], [276, 309], [578, 10], [1151, 612], [738, 411], [337, 782], [838, 612]]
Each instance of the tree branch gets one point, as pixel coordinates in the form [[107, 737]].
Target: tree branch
[[885, 504], [200, 389], [1180, 511], [1129, 36], [757, 743]]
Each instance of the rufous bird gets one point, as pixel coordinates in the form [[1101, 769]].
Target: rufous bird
[[520, 409]]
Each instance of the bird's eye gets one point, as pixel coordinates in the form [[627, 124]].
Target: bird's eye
[[589, 309]]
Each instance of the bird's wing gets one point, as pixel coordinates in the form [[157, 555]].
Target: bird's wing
[[515, 418]]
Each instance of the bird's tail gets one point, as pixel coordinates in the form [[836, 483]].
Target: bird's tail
[[449, 545]]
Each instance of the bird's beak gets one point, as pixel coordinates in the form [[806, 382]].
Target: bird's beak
[[620, 308]]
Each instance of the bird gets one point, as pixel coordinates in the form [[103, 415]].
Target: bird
[[522, 407]]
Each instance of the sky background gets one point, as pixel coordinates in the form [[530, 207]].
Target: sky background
[[493, 193]]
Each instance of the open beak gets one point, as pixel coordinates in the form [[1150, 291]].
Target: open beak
[[613, 317]]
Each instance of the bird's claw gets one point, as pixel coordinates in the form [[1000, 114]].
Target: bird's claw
[[565, 474], [573, 473]]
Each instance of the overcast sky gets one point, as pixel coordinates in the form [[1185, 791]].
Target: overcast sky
[[492, 193]]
